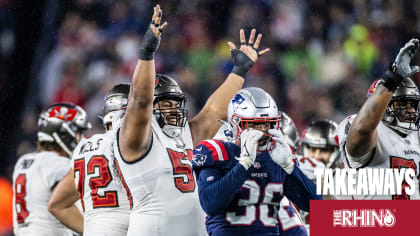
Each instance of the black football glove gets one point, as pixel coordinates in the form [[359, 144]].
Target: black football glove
[[149, 45], [241, 62]]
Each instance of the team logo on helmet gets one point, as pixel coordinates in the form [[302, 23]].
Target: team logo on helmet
[[156, 81], [63, 113], [237, 100], [373, 87]]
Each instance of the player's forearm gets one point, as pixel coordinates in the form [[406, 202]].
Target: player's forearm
[[300, 189], [205, 125], [137, 121], [71, 217], [363, 129], [218, 102], [142, 87], [216, 197]]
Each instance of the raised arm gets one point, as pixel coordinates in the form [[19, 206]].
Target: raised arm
[[61, 204], [362, 135], [204, 125], [135, 133]]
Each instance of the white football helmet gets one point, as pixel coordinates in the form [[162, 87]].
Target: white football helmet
[[60, 123], [322, 134], [116, 100], [400, 118], [253, 105], [289, 130]]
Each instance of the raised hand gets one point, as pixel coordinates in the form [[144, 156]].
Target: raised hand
[[401, 65], [155, 25], [151, 39], [245, 57], [401, 68]]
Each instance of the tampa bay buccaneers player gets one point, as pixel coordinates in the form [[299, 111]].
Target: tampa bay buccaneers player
[[154, 141], [385, 132], [290, 221], [95, 179], [60, 128], [320, 150]]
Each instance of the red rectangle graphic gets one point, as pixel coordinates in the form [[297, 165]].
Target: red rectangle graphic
[[364, 217]]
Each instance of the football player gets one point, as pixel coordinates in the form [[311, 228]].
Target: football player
[[60, 128], [319, 142], [290, 222], [95, 179], [242, 182], [290, 132], [384, 134], [154, 141]]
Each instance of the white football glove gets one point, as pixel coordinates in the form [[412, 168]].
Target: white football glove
[[249, 145], [281, 153]]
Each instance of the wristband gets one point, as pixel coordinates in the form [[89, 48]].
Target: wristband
[[392, 80]]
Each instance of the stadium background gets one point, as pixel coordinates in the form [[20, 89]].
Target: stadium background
[[324, 55]]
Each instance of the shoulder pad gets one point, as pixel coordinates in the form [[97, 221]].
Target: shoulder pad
[[343, 128], [209, 152]]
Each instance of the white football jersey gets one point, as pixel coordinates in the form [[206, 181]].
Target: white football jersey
[[163, 186], [34, 177], [392, 151], [104, 195], [308, 165]]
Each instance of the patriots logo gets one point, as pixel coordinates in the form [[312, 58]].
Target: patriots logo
[[199, 159], [237, 100], [228, 133]]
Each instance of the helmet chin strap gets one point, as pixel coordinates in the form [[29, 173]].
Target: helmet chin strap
[[334, 159], [62, 145]]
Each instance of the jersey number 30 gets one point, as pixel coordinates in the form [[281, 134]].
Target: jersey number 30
[[247, 208]]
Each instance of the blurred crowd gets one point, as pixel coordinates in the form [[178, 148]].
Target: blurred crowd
[[324, 54]]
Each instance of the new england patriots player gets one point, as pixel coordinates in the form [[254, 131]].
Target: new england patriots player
[[60, 128], [290, 222], [154, 141], [242, 182]]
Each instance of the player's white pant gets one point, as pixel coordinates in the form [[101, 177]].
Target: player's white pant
[[147, 225]]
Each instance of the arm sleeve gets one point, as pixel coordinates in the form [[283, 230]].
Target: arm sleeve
[[300, 189], [217, 191]]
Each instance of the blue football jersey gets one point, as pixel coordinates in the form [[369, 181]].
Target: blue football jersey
[[290, 221], [244, 202]]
